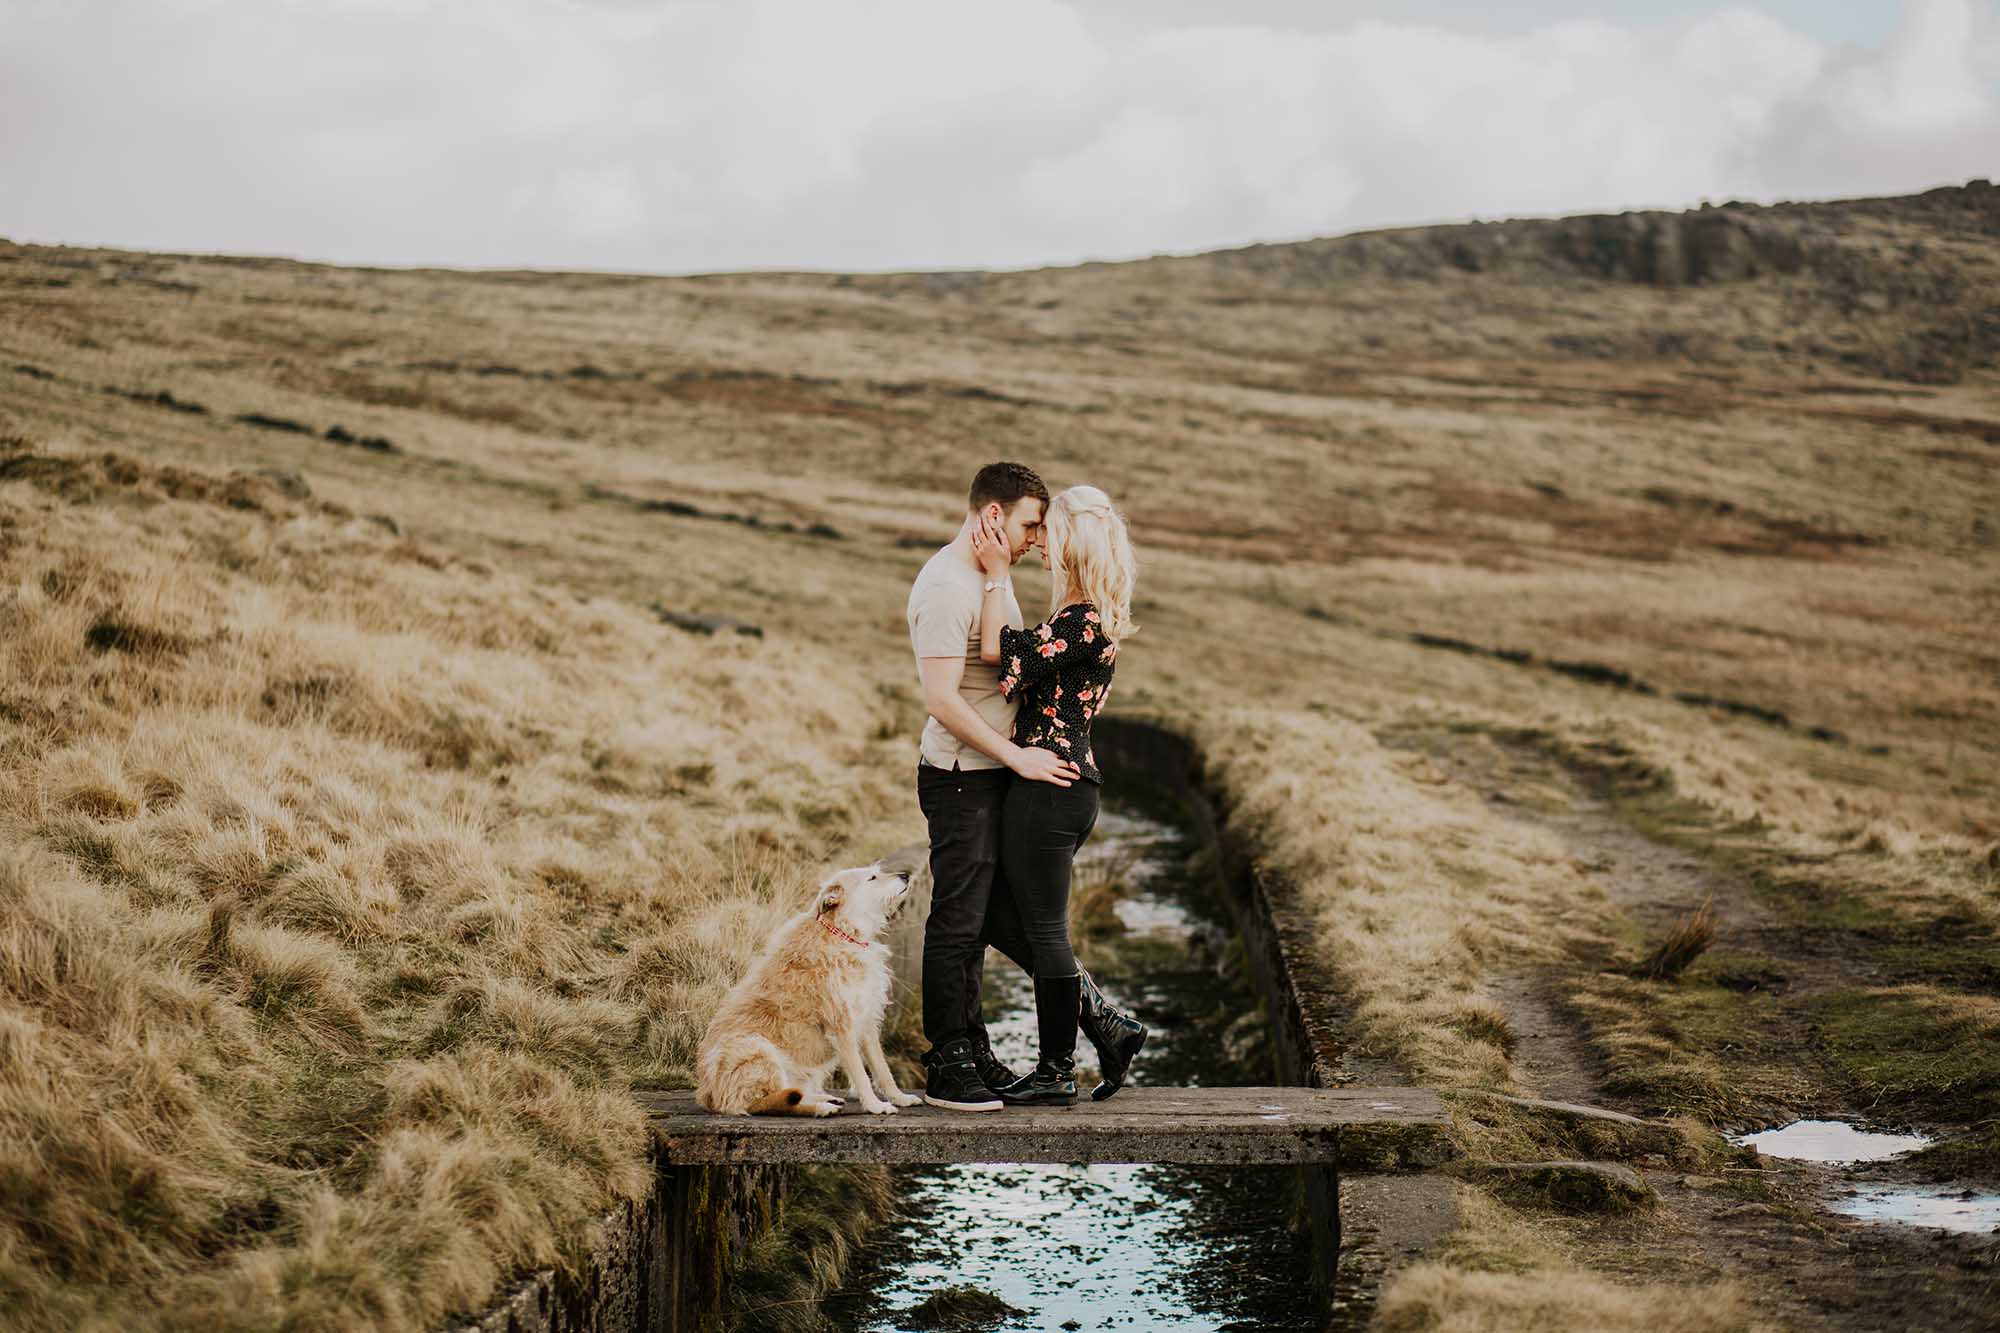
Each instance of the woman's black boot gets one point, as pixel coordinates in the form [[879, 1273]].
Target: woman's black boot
[[1116, 1035], [1052, 1082]]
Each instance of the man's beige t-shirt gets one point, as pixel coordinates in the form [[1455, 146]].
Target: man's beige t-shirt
[[944, 621]]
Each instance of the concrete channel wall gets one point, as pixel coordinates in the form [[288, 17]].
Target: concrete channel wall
[[657, 1265], [1303, 1040], [660, 1267], [1365, 1225]]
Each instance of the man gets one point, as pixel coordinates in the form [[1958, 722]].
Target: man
[[965, 762]]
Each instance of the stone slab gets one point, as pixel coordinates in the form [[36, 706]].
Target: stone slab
[[1359, 1128], [1571, 1110], [1597, 1130]]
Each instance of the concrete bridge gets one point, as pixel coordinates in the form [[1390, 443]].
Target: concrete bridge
[[1359, 1151], [1338, 1140], [1351, 1128]]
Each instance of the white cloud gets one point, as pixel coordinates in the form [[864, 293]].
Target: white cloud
[[912, 133], [600, 203]]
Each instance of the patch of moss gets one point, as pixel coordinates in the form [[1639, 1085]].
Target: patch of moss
[[1974, 1155], [959, 1308], [1657, 1040], [1905, 1054], [1567, 1187], [1747, 972]]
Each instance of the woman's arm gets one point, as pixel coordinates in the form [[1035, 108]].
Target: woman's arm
[[942, 700], [1072, 635], [989, 546]]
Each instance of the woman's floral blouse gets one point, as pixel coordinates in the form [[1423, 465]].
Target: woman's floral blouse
[[1061, 670]]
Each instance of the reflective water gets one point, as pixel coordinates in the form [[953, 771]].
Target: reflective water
[[1115, 1246], [1914, 1205], [1829, 1141], [1840, 1143]]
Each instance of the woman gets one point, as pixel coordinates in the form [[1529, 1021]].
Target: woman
[[1060, 671]]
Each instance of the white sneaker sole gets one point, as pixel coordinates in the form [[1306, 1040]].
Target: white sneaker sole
[[963, 1106]]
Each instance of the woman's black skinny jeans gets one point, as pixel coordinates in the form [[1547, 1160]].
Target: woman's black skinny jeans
[[1041, 826]]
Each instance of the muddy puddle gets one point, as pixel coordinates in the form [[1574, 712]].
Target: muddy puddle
[[1837, 1143], [1114, 1246], [1832, 1141], [1970, 1211]]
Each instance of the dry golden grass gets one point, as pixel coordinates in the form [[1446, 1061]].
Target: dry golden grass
[[1416, 889], [1498, 1275], [351, 889], [359, 874]]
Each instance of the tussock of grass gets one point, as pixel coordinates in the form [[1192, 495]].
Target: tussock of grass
[[964, 1309], [1485, 1023], [1652, 1042], [1920, 1049], [1688, 940], [1974, 1152], [1095, 888]]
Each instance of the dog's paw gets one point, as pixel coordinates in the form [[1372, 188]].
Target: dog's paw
[[825, 1109], [837, 1101], [906, 1099], [878, 1107]]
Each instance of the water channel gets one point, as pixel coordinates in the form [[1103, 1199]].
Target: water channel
[[1114, 1246]]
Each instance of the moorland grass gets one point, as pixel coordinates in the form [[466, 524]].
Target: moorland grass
[[370, 844], [334, 935]]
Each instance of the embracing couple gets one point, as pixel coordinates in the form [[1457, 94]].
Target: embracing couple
[[1008, 782]]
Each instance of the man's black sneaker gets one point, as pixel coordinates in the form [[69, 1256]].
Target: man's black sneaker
[[953, 1080], [991, 1072]]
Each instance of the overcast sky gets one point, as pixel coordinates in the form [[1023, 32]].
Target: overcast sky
[[893, 134]]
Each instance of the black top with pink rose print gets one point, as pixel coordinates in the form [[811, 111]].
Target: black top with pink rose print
[[1061, 669]]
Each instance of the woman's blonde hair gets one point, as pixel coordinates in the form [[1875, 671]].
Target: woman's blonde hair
[[1089, 548]]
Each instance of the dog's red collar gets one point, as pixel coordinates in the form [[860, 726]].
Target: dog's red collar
[[843, 934]]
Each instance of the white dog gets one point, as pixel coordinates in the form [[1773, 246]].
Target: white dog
[[814, 997]]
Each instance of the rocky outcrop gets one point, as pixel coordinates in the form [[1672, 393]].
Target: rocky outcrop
[[1716, 243]]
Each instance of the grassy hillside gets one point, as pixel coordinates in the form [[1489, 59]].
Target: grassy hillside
[[372, 832], [350, 885]]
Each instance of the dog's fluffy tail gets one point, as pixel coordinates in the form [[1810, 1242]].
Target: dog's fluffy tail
[[747, 1076], [779, 1102]]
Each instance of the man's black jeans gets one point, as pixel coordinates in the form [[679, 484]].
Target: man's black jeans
[[971, 904]]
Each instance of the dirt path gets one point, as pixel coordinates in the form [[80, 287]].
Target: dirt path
[[1653, 885], [1804, 1266]]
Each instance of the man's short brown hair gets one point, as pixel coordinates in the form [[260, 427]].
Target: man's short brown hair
[[1007, 483]]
